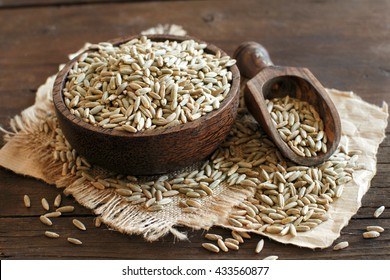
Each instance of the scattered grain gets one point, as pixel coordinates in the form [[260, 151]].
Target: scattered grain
[[271, 258], [244, 234], [341, 245], [57, 201], [45, 220], [74, 241], [232, 240], [77, 223], [371, 234], [65, 209], [375, 228], [27, 201], [379, 211], [222, 245], [259, 246], [210, 247], [45, 204], [237, 236], [53, 214], [51, 234], [231, 245], [211, 236]]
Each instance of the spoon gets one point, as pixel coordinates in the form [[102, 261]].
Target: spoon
[[268, 81]]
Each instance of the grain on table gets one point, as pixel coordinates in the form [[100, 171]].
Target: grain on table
[[45, 204], [77, 223], [379, 211], [210, 247], [371, 234], [259, 246], [341, 245], [74, 241], [27, 201], [51, 234]]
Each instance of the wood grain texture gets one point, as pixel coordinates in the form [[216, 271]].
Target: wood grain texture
[[36, 3], [345, 47]]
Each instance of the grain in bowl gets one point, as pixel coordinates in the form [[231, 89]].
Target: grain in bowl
[[165, 118], [143, 84]]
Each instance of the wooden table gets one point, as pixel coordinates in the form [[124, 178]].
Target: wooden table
[[345, 44]]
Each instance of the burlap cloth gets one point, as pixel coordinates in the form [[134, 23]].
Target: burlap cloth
[[28, 152]]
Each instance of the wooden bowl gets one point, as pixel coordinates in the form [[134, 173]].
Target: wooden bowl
[[151, 152]]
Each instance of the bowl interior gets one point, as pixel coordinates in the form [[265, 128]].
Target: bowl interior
[[58, 96]]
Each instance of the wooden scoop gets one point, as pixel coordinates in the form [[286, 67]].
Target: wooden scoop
[[268, 81]]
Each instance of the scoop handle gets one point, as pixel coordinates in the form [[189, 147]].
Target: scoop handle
[[251, 58]]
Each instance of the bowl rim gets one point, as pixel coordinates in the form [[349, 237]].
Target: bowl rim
[[61, 108]]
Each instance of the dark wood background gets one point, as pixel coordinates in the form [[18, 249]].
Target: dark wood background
[[346, 44]]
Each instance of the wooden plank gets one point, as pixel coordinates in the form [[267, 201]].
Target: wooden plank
[[384, 150], [23, 238], [6, 4], [340, 56], [210, 21], [13, 187], [381, 178], [20, 227]]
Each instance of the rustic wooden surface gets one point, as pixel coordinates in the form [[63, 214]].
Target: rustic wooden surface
[[345, 44]]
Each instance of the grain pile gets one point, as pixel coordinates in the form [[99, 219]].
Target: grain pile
[[121, 93], [288, 198], [143, 84], [109, 87], [299, 125]]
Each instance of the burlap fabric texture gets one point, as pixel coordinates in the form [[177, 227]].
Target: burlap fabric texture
[[29, 151]]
